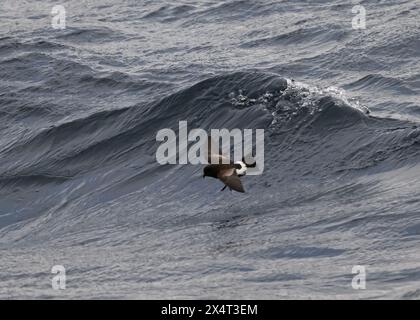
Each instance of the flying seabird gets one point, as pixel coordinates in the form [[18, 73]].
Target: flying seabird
[[228, 173]]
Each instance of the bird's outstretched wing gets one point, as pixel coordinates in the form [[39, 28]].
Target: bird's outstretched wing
[[230, 178], [214, 156]]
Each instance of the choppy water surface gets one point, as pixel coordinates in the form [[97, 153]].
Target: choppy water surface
[[80, 186]]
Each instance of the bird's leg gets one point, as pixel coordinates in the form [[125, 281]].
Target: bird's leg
[[224, 188]]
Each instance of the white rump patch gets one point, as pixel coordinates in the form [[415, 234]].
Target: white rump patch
[[242, 170]]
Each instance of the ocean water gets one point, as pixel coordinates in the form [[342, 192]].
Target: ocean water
[[80, 186]]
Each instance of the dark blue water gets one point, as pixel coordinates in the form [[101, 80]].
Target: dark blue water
[[80, 186]]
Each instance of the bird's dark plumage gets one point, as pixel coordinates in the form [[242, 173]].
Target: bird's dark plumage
[[219, 169], [225, 173]]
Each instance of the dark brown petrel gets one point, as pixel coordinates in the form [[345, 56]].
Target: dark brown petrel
[[227, 173]]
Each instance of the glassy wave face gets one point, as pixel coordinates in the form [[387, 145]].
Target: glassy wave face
[[80, 185]]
